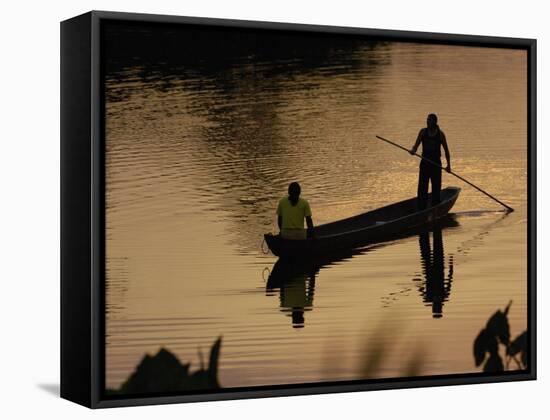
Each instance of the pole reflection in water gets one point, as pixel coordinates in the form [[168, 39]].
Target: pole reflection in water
[[436, 286]]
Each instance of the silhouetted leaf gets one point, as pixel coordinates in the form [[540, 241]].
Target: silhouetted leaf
[[492, 345], [484, 343], [507, 308], [519, 345], [494, 364], [213, 363], [164, 372], [498, 330], [524, 358], [480, 347], [498, 326]]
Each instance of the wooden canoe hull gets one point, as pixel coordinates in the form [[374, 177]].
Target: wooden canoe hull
[[371, 227]]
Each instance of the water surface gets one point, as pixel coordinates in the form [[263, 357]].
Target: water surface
[[198, 155]]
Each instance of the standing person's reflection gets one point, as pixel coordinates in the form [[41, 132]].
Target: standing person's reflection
[[436, 288], [296, 289]]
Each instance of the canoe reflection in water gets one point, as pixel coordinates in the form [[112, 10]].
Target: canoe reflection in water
[[294, 278], [436, 287]]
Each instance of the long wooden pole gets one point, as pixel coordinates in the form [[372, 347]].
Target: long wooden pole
[[510, 209]]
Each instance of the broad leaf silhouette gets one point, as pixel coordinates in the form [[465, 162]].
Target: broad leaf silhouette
[[497, 330], [519, 345], [483, 344], [498, 326]]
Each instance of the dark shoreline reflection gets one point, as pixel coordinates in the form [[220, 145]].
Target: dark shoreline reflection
[[210, 48], [247, 91]]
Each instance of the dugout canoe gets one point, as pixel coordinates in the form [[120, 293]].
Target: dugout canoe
[[367, 228]]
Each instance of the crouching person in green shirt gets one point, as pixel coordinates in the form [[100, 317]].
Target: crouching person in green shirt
[[291, 212]]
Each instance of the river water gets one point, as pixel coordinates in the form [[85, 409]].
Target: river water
[[198, 154]]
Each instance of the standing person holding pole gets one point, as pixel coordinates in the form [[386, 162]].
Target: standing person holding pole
[[432, 138], [448, 169]]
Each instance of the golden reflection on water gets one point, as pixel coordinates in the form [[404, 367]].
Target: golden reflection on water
[[196, 163]]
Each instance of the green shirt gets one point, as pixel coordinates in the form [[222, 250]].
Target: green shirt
[[293, 216]]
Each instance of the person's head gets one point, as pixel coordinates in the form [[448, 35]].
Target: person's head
[[432, 121], [294, 192]]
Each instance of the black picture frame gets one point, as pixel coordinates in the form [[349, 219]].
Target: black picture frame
[[83, 207]]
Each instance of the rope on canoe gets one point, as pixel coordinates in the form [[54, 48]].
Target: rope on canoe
[[268, 273]]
